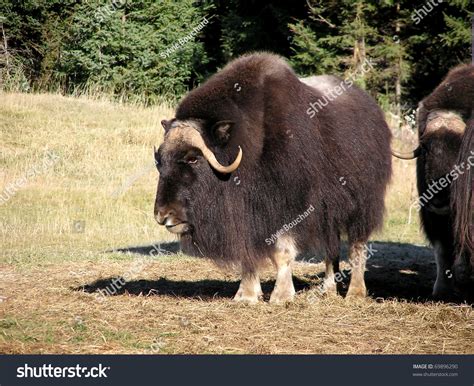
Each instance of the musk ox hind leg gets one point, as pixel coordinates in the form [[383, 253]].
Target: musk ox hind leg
[[357, 260], [283, 257], [249, 290], [332, 269], [331, 259]]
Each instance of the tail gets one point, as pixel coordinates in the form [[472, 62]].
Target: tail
[[462, 205]]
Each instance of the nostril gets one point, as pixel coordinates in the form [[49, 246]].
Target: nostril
[[163, 215], [160, 219]]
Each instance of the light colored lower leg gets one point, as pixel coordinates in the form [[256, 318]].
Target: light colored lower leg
[[442, 286], [357, 259], [283, 258], [329, 283], [249, 290]]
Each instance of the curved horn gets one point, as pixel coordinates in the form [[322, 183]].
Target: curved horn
[[194, 137], [411, 155], [211, 158]]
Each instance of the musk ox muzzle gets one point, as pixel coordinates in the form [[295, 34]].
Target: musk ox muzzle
[[173, 223]]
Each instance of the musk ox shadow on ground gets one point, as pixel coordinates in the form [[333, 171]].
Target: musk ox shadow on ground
[[396, 270]]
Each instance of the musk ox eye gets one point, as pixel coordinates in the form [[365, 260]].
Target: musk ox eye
[[189, 159], [157, 160]]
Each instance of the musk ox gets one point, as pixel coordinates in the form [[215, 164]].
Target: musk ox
[[248, 173], [445, 157]]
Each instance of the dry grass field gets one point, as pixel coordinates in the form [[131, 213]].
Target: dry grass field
[[75, 226]]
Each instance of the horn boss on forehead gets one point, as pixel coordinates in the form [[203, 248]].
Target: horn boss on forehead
[[445, 119], [186, 132]]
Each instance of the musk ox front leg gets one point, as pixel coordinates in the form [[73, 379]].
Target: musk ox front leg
[[249, 290], [443, 287], [357, 259], [285, 254]]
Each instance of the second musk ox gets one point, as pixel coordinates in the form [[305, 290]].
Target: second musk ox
[[445, 158], [247, 175]]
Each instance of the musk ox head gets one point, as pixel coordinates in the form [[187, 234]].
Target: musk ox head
[[440, 145], [188, 165]]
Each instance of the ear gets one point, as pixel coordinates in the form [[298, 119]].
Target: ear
[[166, 124], [222, 131]]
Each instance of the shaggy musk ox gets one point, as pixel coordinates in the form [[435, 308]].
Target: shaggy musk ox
[[444, 177], [242, 161]]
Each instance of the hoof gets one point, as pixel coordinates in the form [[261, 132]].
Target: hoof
[[329, 289], [446, 295], [282, 297], [245, 300], [240, 297], [356, 292], [443, 290]]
